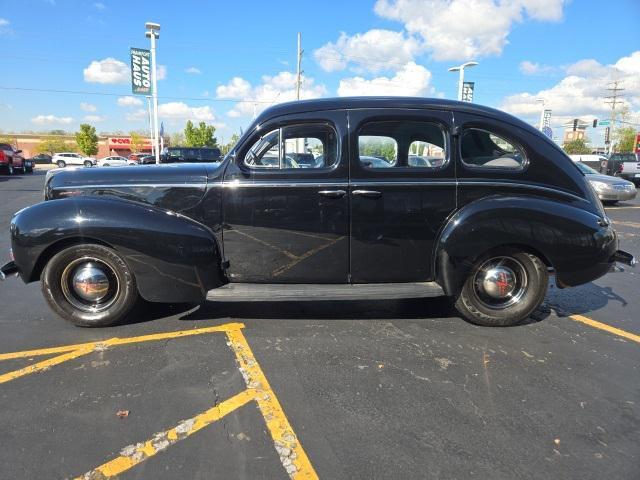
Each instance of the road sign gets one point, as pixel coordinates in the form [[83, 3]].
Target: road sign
[[604, 123], [140, 71]]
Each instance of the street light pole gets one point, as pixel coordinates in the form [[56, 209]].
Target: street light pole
[[150, 124], [152, 33], [460, 69]]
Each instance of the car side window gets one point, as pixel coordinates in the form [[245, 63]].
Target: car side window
[[402, 144], [308, 146], [481, 148]]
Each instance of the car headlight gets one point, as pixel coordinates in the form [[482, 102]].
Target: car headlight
[[599, 186]]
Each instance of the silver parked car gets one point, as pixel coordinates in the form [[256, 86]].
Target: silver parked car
[[609, 189]]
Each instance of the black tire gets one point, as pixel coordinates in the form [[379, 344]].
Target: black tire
[[61, 296], [88, 164], [530, 284], [9, 169], [61, 163], [28, 170]]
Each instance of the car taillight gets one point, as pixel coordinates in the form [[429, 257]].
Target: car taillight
[[3, 157]]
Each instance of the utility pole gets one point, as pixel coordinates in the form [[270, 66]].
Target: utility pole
[[299, 74], [150, 124], [613, 100], [152, 33]]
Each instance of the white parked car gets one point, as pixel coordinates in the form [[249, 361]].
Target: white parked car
[[64, 159], [115, 161]]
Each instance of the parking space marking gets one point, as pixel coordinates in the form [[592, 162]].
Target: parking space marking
[[626, 224], [132, 455], [607, 328], [287, 445]]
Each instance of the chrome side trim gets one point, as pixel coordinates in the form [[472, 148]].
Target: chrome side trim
[[280, 184], [133, 185]]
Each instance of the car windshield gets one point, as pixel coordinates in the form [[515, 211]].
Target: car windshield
[[586, 169]]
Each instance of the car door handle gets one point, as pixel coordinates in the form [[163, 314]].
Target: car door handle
[[332, 193], [367, 193]]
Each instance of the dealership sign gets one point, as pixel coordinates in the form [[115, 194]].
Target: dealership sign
[[140, 71]]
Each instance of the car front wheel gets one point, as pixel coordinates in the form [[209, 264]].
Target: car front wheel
[[89, 285], [61, 164], [88, 163], [503, 288]]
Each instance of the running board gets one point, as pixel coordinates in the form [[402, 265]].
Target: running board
[[276, 292]]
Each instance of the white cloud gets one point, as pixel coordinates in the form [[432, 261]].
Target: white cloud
[[51, 119], [374, 50], [193, 71], [100, 5], [129, 101], [273, 89], [4, 26], [583, 90], [466, 29], [535, 68], [162, 72], [93, 118], [108, 70], [175, 111], [136, 115], [410, 80], [88, 107]]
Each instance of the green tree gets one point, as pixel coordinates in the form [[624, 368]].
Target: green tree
[[54, 145], [137, 142], [226, 147], [200, 136], [10, 139], [177, 139], [577, 146], [87, 139], [625, 139]]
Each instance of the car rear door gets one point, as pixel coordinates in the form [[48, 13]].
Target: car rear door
[[283, 223], [402, 190]]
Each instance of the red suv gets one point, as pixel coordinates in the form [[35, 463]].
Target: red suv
[[10, 160]]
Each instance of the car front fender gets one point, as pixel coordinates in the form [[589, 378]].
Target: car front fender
[[577, 244], [174, 258]]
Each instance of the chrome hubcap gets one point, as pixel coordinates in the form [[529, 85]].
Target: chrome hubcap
[[89, 284], [500, 282]]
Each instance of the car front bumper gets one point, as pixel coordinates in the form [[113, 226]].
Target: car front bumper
[[617, 195]]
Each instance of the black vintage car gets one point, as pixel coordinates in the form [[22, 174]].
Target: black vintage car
[[494, 209]]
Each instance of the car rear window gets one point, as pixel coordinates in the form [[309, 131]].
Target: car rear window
[[481, 148]]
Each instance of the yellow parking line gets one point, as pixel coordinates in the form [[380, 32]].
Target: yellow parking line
[[121, 341], [45, 364], [626, 224], [607, 328], [132, 455], [292, 455]]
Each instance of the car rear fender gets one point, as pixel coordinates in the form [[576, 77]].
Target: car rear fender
[[173, 257], [577, 244]]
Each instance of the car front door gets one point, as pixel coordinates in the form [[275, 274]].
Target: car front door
[[402, 191], [284, 223]]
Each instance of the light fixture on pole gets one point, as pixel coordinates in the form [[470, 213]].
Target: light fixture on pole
[[152, 32], [460, 69]]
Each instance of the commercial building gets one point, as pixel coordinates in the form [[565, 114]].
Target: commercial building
[[107, 144]]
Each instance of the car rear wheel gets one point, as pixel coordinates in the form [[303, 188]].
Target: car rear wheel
[[88, 163], [61, 164], [503, 288], [89, 285], [9, 169]]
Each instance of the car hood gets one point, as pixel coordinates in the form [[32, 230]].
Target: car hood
[[175, 187], [608, 179]]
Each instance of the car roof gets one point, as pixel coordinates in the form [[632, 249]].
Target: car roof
[[320, 104]]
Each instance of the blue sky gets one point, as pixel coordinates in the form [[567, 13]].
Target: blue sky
[[562, 51]]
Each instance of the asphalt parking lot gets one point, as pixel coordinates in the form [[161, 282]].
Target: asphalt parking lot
[[375, 389]]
